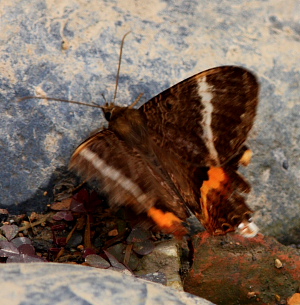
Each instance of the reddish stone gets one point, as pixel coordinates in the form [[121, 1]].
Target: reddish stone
[[232, 270], [294, 300]]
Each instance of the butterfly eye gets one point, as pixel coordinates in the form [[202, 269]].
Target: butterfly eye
[[107, 115]]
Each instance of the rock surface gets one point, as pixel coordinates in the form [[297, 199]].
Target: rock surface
[[49, 283], [165, 258], [70, 49], [231, 270]]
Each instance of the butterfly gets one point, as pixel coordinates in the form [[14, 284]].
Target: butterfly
[[176, 158]]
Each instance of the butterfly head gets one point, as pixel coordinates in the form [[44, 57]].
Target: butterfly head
[[111, 111]]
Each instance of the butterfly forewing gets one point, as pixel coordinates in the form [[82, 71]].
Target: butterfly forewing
[[129, 179], [205, 119]]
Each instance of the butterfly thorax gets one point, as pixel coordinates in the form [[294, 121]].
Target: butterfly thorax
[[128, 124]]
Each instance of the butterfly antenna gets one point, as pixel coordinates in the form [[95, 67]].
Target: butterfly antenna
[[136, 101], [58, 100], [103, 96], [119, 65]]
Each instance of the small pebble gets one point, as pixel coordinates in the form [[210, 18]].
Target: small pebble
[[278, 263], [113, 232], [80, 247], [65, 45]]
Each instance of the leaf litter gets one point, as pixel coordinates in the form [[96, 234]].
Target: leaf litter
[[80, 229]]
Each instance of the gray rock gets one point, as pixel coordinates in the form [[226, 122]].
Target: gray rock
[[165, 258], [70, 50], [77, 285]]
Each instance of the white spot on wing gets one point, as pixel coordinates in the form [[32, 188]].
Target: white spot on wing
[[205, 92], [247, 229], [114, 174]]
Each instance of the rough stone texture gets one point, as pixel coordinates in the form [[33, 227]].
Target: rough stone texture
[[165, 258], [233, 270], [70, 49], [78, 285]]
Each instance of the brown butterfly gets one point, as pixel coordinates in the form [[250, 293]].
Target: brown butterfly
[[176, 157]]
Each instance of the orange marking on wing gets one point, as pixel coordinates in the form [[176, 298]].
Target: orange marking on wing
[[167, 221], [81, 147], [246, 157], [163, 219], [216, 176]]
